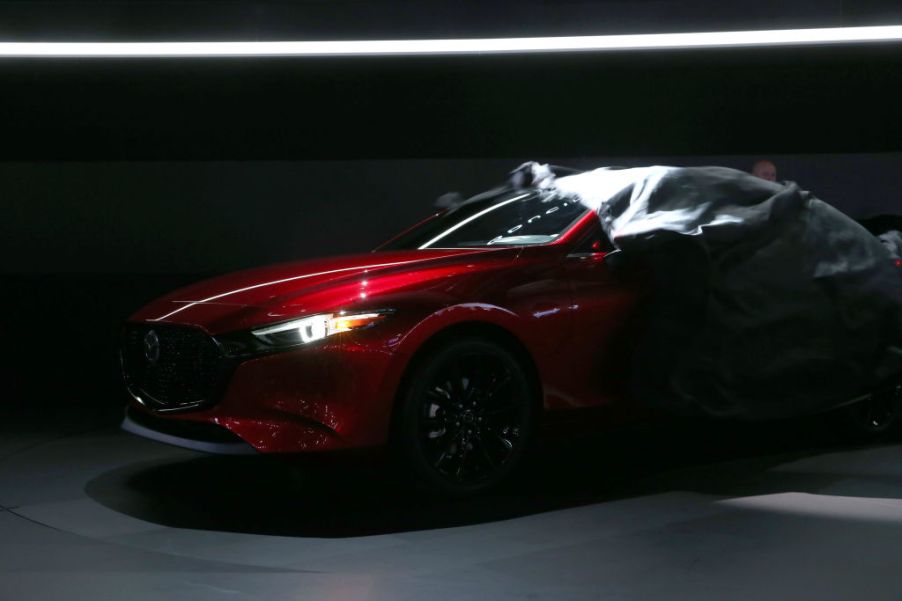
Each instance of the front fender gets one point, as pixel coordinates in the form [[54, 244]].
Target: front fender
[[458, 314]]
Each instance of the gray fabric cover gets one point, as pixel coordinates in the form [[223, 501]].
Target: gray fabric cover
[[766, 302], [892, 240]]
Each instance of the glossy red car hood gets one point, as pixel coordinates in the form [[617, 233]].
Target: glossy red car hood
[[254, 296]]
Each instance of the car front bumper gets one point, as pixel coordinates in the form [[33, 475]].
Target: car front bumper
[[197, 436], [331, 396]]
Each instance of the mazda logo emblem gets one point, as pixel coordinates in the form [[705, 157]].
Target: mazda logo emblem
[[151, 347]]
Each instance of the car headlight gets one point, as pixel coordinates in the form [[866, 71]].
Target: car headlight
[[316, 327]]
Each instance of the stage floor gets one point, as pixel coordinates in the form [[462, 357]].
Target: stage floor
[[756, 512]]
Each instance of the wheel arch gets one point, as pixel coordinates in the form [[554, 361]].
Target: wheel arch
[[476, 329]]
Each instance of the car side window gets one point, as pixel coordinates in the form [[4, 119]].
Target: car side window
[[594, 241]]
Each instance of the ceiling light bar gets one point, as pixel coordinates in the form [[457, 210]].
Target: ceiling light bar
[[600, 43]]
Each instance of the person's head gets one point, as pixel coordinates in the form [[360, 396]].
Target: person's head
[[765, 170]]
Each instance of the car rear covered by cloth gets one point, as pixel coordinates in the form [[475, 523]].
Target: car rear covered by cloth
[[766, 301]]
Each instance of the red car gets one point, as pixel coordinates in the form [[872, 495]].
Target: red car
[[452, 341]]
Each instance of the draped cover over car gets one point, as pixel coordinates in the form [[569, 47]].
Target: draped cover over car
[[767, 302]]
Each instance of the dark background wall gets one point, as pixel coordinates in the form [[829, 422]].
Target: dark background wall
[[364, 19], [215, 216]]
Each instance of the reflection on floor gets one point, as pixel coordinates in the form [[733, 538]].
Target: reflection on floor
[[687, 511]]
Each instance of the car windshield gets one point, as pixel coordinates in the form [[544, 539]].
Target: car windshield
[[511, 218]]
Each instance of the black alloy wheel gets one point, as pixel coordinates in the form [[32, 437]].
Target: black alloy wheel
[[877, 415], [467, 417]]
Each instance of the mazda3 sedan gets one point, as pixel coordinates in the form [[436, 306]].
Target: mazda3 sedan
[[452, 342]]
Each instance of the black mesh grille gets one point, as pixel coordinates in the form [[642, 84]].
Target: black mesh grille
[[172, 367]]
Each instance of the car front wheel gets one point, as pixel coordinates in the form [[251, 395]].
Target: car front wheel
[[466, 417], [874, 417]]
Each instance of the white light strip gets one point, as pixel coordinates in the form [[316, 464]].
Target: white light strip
[[597, 43]]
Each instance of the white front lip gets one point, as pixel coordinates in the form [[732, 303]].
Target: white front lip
[[219, 448]]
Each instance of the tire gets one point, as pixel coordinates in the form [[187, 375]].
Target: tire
[[466, 417], [874, 418]]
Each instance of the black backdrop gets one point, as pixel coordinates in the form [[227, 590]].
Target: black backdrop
[[154, 217], [790, 100]]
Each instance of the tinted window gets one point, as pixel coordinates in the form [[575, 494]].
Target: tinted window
[[507, 219]]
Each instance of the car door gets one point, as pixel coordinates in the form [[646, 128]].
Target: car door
[[603, 299]]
